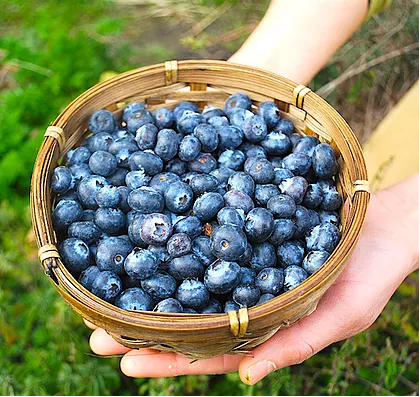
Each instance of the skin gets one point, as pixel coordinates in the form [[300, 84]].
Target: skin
[[385, 255]]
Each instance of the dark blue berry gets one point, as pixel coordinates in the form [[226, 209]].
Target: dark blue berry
[[222, 175], [134, 229], [242, 182], [159, 286], [146, 161], [263, 255], [162, 181], [164, 118], [137, 119], [203, 183], [263, 193], [290, 253], [211, 111], [239, 100], [107, 196], [270, 280], [255, 128], [218, 121], [228, 242], [192, 293], [88, 276], [84, 230], [79, 155], [107, 286], [231, 216], [132, 108], [186, 266], [231, 305], [245, 258], [238, 116], [276, 143], [110, 220], [188, 121], [112, 252], [230, 137], [167, 144], [123, 192], [265, 298], [140, 264], [207, 135], [324, 161], [187, 177], [102, 163], [247, 276], [66, 212], [329, 216], [293, 276], [118, 177], [314, 260], [259, 225], [280, 174], [213, 306], [253, 151], [222, 277], [302, 221], [246, 295], [306, 145], [331, 199], [102, 121], [201, 246], [189, 148], [178, 244], [146, 136], [88, 215], [176, 166], [314, 218], [79, 172], [270, 113], [179, 197], [284, 126], [61, 180], [294, 187], [122, 150], [323, 237], [284, 229], [169, 305], [156, 229], [134, 299], [101, 141], [182, 107], [261, 170], [233, 159], [136, 179], [190, 225], [203, 163], [208, 205], [146, 200], [239, 200], [313, 196], [161, 254], [75, 254], [297, 163]]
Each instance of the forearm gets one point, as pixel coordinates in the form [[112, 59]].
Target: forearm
[[297, 38]]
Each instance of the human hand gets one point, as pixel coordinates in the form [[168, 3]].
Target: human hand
[[386, 253]]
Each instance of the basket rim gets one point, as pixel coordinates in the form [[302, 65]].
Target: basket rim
[[186, 322]]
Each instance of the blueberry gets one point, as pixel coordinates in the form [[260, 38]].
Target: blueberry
[[242, 182], [169, 305], [167, 144], [161, 254], [107, 286], [263, 255], [293, 276], [118, 177], [188, 121], [324, 161], [314, 218], [70, 195], [238, 100], [204, 163], [146, 161], [217, 122], [238, 117], [192, 293], [203, 183], [66, 212], [211, 111], [233, 159], [239, 200], [107, 196], [101, 141], [302, 221], [329, 216], [134, 299], [284, 126], [261, 170], [137, 119], [222, 277], [259, 225], [230, 137], [208, 205], [79, 172], [231, 305], [102, 163], [186, 266], [294, 187], [159, 286], [179, 244], [297, 163], [265, 298], [255, 128], [162, 181], [88, 276], [290, 253], [277, 162], [122, 134], [228, 242], [252, 151], [146, 136], [314, 260], [84, 230], [190, 225], [102, 121], [61, 180], [132, 108], [75, 254], [331, 199], [140, 264], [164, 118], [145, 200], [110, 220], [270, 113], [134, 230], [284, 229], [156, 229], [276, 143], [245, 258], [207, 135], [183, 106], [323, 237], [247, 276], [123, 192], [189, 148], [270, 280], [222, 175], [179, 197], [306, 145], [187, 177], [112, 252], [231, 216], [313, 196], [246, 295], [213, 306], [129, 282], [176, 166], [280, 174], [201, 246], [263, 193], [79, 155], [122, 150], [87, 215]]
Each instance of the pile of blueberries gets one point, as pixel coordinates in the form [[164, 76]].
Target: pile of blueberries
[[182, 211]]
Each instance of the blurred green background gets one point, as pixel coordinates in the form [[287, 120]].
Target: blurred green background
[[51, 51]]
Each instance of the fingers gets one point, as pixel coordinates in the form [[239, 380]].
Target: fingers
[[89, 324], [103, 344], [149, 363]]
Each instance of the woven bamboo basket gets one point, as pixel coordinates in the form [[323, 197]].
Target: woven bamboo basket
[[203, 82]]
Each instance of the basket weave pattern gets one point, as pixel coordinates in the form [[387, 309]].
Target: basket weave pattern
[[202, 82]]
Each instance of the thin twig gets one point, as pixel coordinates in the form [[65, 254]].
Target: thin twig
[[354, 71]]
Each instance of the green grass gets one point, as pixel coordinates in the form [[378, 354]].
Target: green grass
[[50, 53]]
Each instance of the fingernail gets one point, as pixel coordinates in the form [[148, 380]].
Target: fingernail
[[259, 370]]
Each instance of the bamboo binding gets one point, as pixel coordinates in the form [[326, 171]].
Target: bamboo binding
[[203, 82]]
